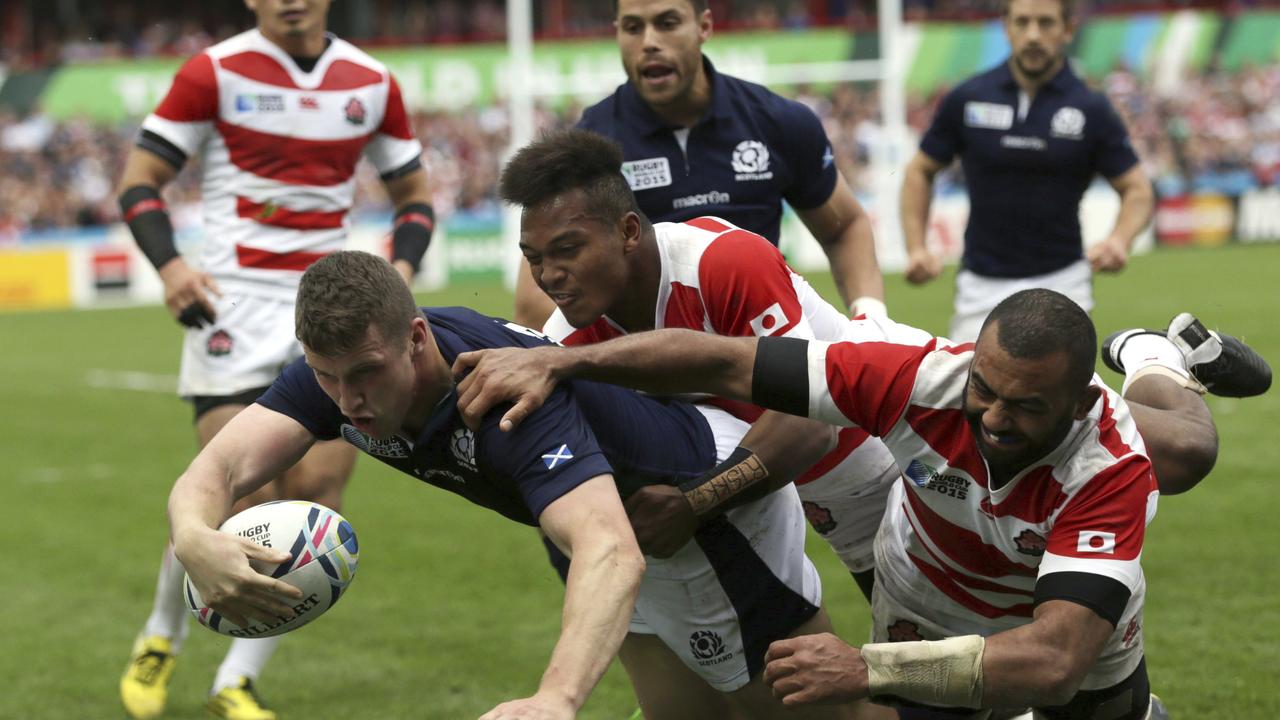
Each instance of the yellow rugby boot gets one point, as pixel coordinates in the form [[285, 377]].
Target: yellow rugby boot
[[145, 684], [239, 702]]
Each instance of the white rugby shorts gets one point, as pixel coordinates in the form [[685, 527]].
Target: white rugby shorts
[[741, 583], [247, 347], [977, 295], [845, 504]]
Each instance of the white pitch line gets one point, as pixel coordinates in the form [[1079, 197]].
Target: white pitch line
[[131, 380]]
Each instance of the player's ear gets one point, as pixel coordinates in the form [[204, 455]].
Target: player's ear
[[632, 229], [705, 23], [419, 336], [1088, 399]]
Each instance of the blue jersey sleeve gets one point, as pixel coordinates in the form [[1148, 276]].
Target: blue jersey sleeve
[[944, 140], [1113, 154], [552, 452], [813, 164], [297, 394]]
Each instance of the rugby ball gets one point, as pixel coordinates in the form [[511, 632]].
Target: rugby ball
[[324, 554]]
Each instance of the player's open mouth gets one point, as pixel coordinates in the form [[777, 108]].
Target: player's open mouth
[[657, 72], [1002, 441], [363, 424]]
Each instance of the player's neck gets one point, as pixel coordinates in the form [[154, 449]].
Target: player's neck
[[308, 45], [1031, 85], [434, 381], [688, 109], [635, 312]]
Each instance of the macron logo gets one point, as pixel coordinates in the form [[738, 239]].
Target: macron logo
[[1093, 541], [555, 457]]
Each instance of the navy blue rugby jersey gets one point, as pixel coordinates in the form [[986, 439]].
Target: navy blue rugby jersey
[[585, 429], [1027, 168], [749, 152]]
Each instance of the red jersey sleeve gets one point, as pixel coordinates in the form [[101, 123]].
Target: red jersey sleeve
[[868, 383], [1102, 526], [393, 146], [193, 96], [747, 288]]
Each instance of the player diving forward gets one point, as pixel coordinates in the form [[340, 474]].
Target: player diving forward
[[376, 372]]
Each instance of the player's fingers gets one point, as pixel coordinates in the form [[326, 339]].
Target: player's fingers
[[212, 285], [466, 361], [779, 649], [266, 554], [512, 418]]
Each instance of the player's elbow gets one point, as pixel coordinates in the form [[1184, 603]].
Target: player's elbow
[[1058, 685]]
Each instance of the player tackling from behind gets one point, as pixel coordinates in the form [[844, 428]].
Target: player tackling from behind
[[1007, 565], [278, 116]]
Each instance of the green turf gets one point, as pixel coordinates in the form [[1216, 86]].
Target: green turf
[[455, 610]]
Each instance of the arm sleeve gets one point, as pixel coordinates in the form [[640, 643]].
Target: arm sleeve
[[393, 147], [812, 161], [549, 454], [864, 384], [185, 117], [944, 140], [747, 289], [1113, 152], [296, 393], [1099, 534]]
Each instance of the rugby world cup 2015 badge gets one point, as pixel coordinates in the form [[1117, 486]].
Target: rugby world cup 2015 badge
[[990, 116]]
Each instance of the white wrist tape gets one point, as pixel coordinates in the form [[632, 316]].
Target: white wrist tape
[[944, 672], [869, 306]]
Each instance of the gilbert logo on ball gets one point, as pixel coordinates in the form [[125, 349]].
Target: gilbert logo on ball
[[324, 554]]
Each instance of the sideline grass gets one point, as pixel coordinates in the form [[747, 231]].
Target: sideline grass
[[455, 609]]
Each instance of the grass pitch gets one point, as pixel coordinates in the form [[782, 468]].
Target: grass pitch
[[455, 609]]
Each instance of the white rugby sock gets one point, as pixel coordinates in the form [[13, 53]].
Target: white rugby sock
[[246, 658], [168, 610], [1142, 351]]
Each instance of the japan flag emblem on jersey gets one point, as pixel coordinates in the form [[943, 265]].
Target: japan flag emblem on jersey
[[770, 321], [1094, 541]]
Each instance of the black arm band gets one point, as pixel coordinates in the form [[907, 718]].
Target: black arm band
[[414, 225], [148, 219], [780, 379], [1105, 596], [162, 148]]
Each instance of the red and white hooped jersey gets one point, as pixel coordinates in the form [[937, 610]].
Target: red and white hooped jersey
[[721, 279], [961, 553], [279, 149]]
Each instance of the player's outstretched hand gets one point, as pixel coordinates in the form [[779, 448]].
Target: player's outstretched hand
[[815, 669], [662, 518], [218, 564], [922, 266], [185, 296], [524, 377], [538, 707], [1108, 256]]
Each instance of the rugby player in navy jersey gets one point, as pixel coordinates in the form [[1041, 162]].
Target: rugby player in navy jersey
[[376, 372], [697, 142]]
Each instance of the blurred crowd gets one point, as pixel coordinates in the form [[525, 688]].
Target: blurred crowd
[[80, 30], [1220, 132]]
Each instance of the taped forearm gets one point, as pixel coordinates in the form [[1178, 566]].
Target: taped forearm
[[943, 672], [148, 219], [414, 225], [740, 479]]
